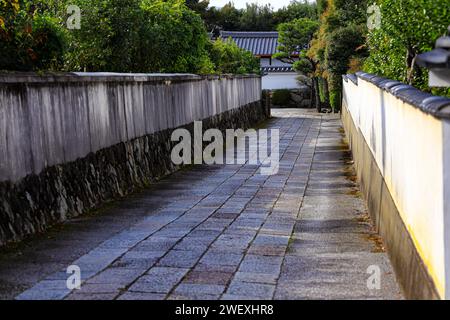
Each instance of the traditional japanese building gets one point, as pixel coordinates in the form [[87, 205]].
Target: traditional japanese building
[[276, 74]]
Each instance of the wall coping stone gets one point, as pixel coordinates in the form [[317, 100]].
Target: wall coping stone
[[436, 106], [353, 78]]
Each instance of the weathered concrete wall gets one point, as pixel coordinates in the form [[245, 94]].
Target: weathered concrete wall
[[51, 120], [70, 142], [398, 139]]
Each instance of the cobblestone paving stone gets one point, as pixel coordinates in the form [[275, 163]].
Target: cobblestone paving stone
[[224, 232]]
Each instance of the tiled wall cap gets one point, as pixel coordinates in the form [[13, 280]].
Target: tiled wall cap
[[437, 58], [364, 75], [377, 80], [413, 96], [390, 84], [443, 42], [428, 103], [353, 78], [437, 105], [396, 89], [444, 112]]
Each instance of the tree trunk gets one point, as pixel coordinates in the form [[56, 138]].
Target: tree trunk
[[315, 85], [326, 92], [411, 56], [312, 97]]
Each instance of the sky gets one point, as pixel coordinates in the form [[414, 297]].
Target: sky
[[276, 4]]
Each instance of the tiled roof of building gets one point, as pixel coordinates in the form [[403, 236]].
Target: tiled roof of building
[[259, 43]]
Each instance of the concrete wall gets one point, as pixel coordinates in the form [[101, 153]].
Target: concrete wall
[[401, 135], [280, 80], [70, 142], [56, 119]]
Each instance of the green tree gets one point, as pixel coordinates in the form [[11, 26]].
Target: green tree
[[29, 39], [294, 38], [109, 37], [257, 18], [321, 6], [199, 6], [139, 36], [225, 18], [338, 45], [175, 39], [117, 36], [227, 57], [342, 48], [296, 10], [408, 28]]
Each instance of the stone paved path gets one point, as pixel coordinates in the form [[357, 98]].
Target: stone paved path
[[222, 232]]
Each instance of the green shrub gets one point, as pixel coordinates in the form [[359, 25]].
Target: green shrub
[[408, 28], [177, 38], [281, 97], [139, 36], [335, 99], [29, 39], [227, 57], [115, 36], [108, 38]]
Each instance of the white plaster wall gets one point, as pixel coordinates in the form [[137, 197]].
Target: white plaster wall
[[279, 80], [446, 227], [408, 146]]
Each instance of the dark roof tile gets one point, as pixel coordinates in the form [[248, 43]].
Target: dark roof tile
[[259, 43]]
